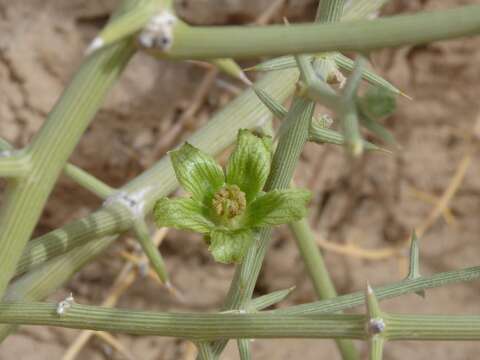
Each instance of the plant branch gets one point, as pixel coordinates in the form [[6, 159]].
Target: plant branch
[[406, 286], [363, 35], [88, 181], [80, 176], [208, 327], [13, 164]]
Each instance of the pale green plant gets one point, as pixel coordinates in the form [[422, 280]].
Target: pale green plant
[[309, 50]]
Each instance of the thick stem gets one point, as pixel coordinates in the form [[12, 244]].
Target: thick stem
[[364, 35], [431, 327], [208, 327], [196, 327]]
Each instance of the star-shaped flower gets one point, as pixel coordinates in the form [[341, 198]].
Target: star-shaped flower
[[229, 208]]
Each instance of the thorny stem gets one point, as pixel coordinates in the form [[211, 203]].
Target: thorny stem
[[207, 327], [406, 286], [36, 285]]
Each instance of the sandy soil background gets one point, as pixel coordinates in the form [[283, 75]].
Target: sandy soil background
[[373, 206]]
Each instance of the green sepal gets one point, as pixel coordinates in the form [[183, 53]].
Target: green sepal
[[230, 246], [377, 103], [197, 172], [249, 165], [182, 213], [278, 207]]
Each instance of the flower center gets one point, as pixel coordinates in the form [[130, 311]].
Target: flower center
[[229, 201]]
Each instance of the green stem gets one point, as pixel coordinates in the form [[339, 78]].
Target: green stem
[[75, 173], [205, 351], [362, 8], [330, 10], [313, 260], [107, 221], [264, 301], [376, 347], [431, 327], [244, 349], [151, 251], [348, 110], [38, 284], [364, 35], [208, 327], [88, 181], [13, 165], [407, 286], [197, 327], [47, 278]]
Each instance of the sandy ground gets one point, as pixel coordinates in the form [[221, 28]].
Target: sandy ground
[[374, 205]]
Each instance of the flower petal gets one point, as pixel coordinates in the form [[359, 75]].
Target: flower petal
[[197, 172], [230, 246], [183, 213], [249, 164], [278, 207]]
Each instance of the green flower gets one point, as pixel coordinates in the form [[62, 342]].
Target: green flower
[[229, 208]]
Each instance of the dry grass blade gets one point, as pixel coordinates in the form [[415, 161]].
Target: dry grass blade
[[448, 194], [356, 251], [432, 199]]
